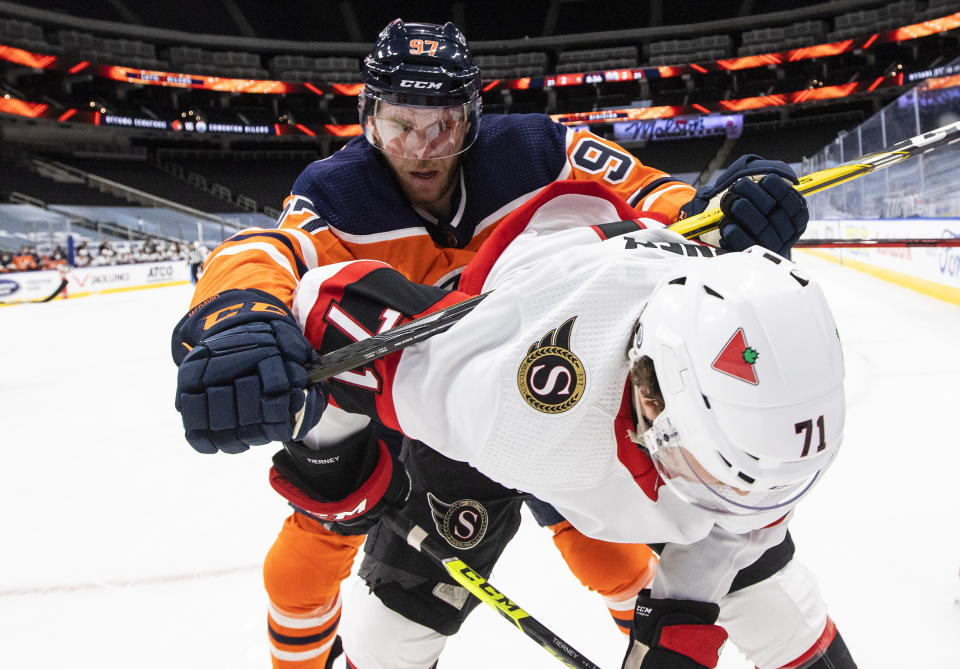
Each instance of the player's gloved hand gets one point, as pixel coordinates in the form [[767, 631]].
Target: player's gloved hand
[[347, 486], [674, 634], [242, 380], [759, 205]]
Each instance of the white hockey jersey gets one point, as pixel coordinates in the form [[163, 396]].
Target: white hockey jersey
[[531, 386]]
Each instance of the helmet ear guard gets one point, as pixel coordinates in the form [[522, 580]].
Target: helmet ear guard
[[749, 363]]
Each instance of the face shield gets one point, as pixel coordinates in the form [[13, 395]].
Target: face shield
[[419, 132], [717, 488]]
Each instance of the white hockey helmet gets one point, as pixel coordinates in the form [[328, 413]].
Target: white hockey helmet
[[748, 359]]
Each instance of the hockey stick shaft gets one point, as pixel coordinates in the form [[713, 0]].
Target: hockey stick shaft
[[834, 176], [358, 353], [483, 590]]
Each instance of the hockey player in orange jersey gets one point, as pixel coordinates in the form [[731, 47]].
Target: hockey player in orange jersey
[[422, 190]]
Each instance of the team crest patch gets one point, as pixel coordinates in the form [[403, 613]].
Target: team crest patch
[[551, 377], [738, 359], [462, 523]]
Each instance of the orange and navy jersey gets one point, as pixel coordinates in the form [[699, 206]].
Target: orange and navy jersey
[[349, 207]]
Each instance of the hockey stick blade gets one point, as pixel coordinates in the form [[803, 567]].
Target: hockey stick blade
[[483, 590], [834, 176], [358, 353]]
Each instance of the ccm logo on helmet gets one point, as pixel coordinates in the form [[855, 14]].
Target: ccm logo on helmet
[[429, 85]]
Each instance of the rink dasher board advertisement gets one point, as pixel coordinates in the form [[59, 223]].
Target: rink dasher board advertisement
[[83, 280], [24, 286], [939, 265]]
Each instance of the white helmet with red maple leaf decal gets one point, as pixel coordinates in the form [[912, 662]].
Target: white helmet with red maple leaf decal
[[748, 361]]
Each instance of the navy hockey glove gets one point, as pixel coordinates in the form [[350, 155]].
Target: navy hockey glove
[[347, 486], [242, 380], [674, 634], [759, 206]]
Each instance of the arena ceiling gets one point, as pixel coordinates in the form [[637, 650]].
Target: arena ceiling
[[361, 20]]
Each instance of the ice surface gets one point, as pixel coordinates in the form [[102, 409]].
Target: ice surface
[[121, 547]]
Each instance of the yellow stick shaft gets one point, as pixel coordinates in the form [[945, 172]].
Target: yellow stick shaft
[[834, 176]]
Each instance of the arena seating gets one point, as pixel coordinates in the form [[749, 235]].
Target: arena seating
[[674, 51], [150, 179], [597, 59], [789, 146], [16, 176], [678, 156], [25, 35], [265, 177], [305, 68], [873, 20], [330, 68], [242, 174], [22, 223], [769, 40]]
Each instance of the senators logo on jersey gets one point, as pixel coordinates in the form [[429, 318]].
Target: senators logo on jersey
[[551, 377], [462, 523]]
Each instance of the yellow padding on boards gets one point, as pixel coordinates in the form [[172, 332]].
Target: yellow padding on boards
[[124, 289], [88, 293], [925, 286]]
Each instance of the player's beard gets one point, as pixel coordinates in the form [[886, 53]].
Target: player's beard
[[426, 183]]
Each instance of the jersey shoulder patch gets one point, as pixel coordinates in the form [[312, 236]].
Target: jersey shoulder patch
[[298, 212]]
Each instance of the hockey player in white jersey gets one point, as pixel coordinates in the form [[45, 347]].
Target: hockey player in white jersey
[[650, 391]]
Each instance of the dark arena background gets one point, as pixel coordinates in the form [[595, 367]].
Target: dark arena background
[[137, 135]]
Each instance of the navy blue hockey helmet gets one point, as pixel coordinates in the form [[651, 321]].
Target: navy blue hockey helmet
[[421, 96]]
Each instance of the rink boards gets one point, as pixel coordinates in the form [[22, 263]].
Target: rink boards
[[81, 281], [933, 271]]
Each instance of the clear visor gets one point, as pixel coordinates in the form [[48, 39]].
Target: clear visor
[[695, 484], [421, 133]]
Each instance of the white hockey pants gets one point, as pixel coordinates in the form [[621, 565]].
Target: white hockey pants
[[772, 622]]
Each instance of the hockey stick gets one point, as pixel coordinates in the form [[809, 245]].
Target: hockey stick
[[834, 176], [483, 590]]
